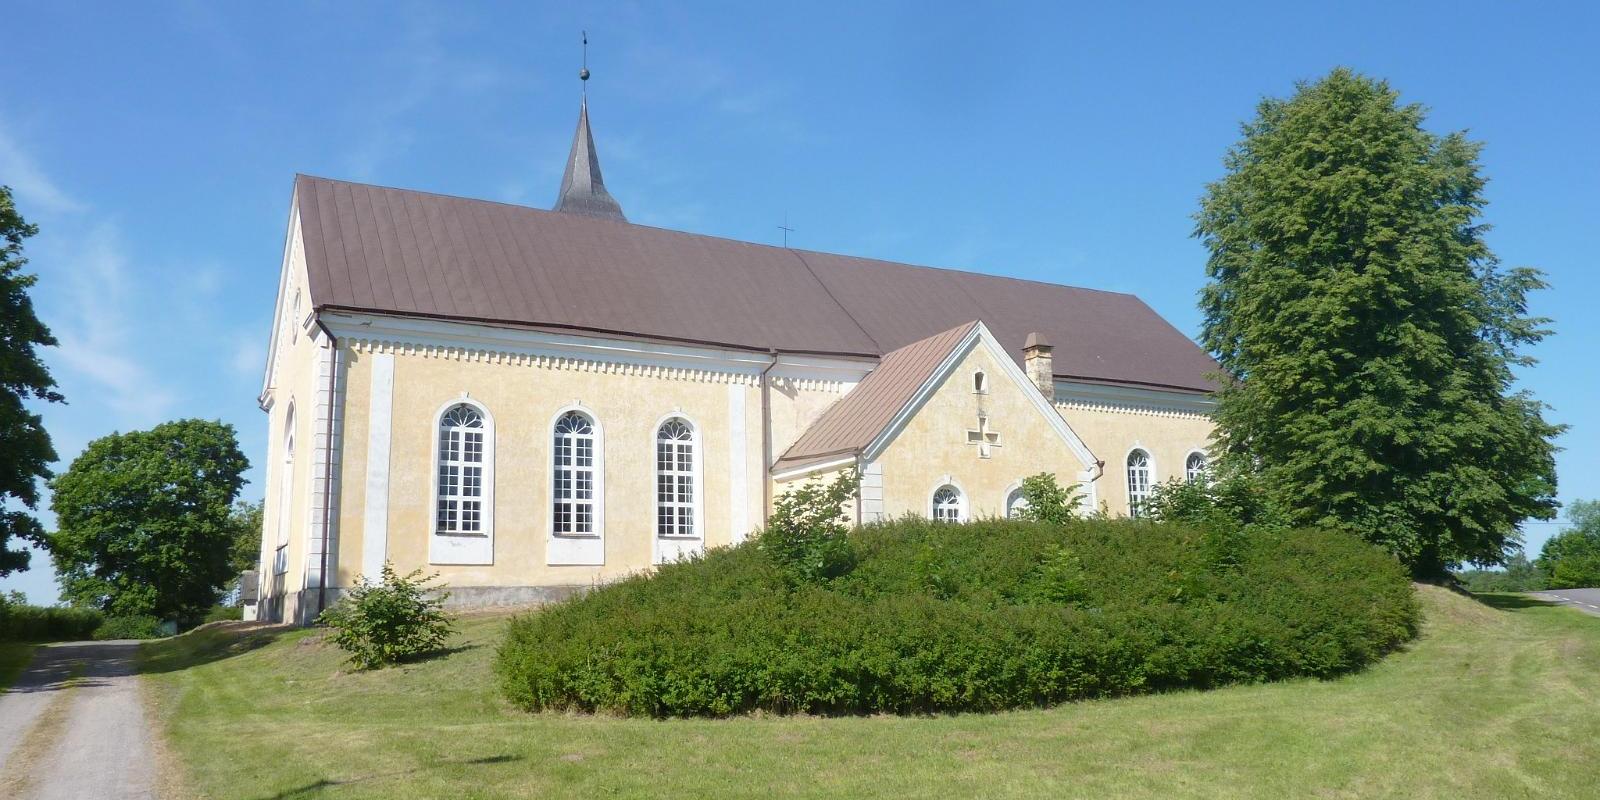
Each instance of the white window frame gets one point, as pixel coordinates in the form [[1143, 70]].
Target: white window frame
[[1135, 500], [563, 549], [671, 547], [1190, 474], [1014, 490], [471, 547], [961, 502], [286, 477]]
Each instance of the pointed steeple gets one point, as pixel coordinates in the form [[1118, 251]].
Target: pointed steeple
[[583, 191]]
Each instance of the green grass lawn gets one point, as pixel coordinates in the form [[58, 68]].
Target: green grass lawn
[[13, 657], [1498, 699]]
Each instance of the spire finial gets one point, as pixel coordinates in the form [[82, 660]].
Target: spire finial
[[583, 74]]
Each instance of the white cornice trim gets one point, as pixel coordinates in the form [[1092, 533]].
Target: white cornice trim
[[490, 343], [269, 370], [813, 468], [1094, 396]]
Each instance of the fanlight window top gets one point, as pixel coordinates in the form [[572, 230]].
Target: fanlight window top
[[947, 504], [462, 416], [675, 430], [574, 424]]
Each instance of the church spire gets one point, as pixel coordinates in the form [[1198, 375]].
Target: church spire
[[583, 191]]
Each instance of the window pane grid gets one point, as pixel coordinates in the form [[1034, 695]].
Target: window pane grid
[[947, 504], [1138, 482], [675, 487], [573, 478], [460, 478]]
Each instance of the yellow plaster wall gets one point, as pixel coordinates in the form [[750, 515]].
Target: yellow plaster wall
[[523, 400], [1111, 434], [933, 444]]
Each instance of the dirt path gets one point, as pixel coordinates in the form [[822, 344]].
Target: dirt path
[[73, 726]]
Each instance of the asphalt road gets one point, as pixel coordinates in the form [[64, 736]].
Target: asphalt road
[[73, 726], [1585, 600]]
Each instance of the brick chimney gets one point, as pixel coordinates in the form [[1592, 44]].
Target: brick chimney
[[1039, 360]]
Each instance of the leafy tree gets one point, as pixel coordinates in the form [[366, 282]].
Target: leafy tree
[[245, 517], [1237, 501], [807, 535], [1520, 575], [1572, 557], [1046, 501], [145, 524], [25, 449], [1368, 332]]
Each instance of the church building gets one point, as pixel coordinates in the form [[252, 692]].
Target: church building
[[534, 402]]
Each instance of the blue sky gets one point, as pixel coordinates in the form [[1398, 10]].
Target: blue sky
[[154, 145]]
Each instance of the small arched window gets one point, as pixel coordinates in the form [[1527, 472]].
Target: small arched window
[[980, 383], [459, 505], [573, 475], [675, 484], [280, 554], [948, 505], [1138, 482], [1016, 504], [1194, 469]]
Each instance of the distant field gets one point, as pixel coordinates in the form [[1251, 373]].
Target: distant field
[[1498, 699]]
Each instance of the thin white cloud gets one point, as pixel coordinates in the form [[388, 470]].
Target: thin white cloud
[[97, 334], [34, 189]]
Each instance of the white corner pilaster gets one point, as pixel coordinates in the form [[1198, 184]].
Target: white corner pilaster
[[375, 501]]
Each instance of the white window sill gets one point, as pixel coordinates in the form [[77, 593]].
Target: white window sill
[[679, 537], [576, 535], [462, 534]]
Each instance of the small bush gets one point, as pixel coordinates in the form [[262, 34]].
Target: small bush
[[131, 626], [20, 622], [989, 615], [1045, 501], [224, 614], [389, 622], [807, 533]]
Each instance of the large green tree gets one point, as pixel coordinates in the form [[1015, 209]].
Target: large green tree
[[25, 449], [1571, 558], [1368, 332], [145, 522]]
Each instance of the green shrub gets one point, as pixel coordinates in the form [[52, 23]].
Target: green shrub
[[989, 615], [131, 626], [1046, 501], [224, 614], [1571, 559], [390, 621], [807, 533], [20, 622]]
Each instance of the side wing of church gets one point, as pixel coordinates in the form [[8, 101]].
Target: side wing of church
[[533, 402]]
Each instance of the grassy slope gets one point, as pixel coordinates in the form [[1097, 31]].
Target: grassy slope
[[13, 657], [1495, 702]]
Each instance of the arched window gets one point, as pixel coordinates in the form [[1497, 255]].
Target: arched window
[[980, 382], [1138, 482], [294, 318], [459, 509], [280, 555], [675, 484], [1016, 504], [1194, 469], [573, 475], [947, 504]]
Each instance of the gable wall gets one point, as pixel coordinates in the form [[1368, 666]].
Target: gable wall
[[933, 444]]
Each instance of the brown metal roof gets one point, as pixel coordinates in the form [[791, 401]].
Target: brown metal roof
[[851, 423], [370, 248]]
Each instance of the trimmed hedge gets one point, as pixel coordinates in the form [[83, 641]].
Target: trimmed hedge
[[25, 623], [978, 617]]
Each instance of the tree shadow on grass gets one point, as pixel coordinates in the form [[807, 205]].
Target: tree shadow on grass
[[208, 644], [1512, 602], [318, 786]]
